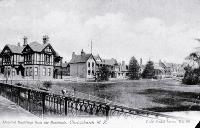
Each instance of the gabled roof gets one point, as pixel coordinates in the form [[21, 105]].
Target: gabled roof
[[37, 47], [161, 64], [110, 61], [15, 48], [65, 64], [80, 58], [97, 57], [158, 67]]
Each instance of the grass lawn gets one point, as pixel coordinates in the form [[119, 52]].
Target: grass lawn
[[161, 96]]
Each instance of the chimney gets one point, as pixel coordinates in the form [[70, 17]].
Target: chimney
[[73, 54], [25, 40], [45, 39], [82, 52], [123, 63], [18, 44], [140, 61]]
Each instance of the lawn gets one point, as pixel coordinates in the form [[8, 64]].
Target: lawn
[[161, 96]]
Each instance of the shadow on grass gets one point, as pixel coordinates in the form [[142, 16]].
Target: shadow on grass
[[173, 100]]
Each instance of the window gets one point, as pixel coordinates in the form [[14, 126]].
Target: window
[[26, 71], [7, 59], [13, 72], [92, 64], [88, 64], [30, 71], [44, 71], [88, 72], [47, 59], [29, 57], [92, 72], [49, 71], [36, 71]]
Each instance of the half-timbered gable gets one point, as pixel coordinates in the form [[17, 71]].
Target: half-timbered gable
[[11, 55], [49, 55]]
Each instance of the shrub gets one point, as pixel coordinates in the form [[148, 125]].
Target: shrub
[[47, 84], [192, 76], [19, 84], [103, 74]]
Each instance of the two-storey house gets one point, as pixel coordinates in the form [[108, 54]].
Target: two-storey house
[[32, 60], [40, 60], [83, 65]]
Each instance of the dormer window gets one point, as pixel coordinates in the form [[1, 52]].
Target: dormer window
[[48, 50]]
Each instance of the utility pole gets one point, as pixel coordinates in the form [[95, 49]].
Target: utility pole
[[91, 46]]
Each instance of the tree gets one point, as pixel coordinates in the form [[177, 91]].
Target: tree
[[133, 69], [192, 70], [103, 73], [192, 76], [194, 59], [149, 71]]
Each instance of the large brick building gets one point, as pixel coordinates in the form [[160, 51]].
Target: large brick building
[[83, 65], [32, 60]]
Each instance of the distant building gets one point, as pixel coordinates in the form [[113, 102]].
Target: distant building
[[31, 60], [121, 70], [159, 71], [66, 69], [1, 64], [172, 69]]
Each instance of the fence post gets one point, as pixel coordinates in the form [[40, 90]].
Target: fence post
[[18, 96], [1, 87], [28, 107], [66, 105], [107, 110], [43, 102]]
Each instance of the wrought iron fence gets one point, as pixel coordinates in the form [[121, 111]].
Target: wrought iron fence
[[44, 103]]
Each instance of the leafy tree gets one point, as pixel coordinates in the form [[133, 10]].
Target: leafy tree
[[194, 57], [149, 71], [192, 76], [133, 69], [103, 73]]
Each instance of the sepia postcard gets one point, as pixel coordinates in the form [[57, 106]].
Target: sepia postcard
[[99, 63]]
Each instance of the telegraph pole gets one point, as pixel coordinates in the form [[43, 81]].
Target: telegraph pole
[[91, 46]]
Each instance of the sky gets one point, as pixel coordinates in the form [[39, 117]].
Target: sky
[[149, 29]]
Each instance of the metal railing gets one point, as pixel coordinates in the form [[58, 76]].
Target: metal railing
[[44, 103]]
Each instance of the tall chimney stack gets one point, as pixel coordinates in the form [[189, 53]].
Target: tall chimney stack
[[45, 39], [18, 44], [140, 61], [82, 52], [25, 40], [123, 63], [73, 54]]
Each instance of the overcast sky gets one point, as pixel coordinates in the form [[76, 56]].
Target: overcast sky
[[148, 29]]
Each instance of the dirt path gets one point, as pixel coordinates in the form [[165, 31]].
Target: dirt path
[[9, 109]]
